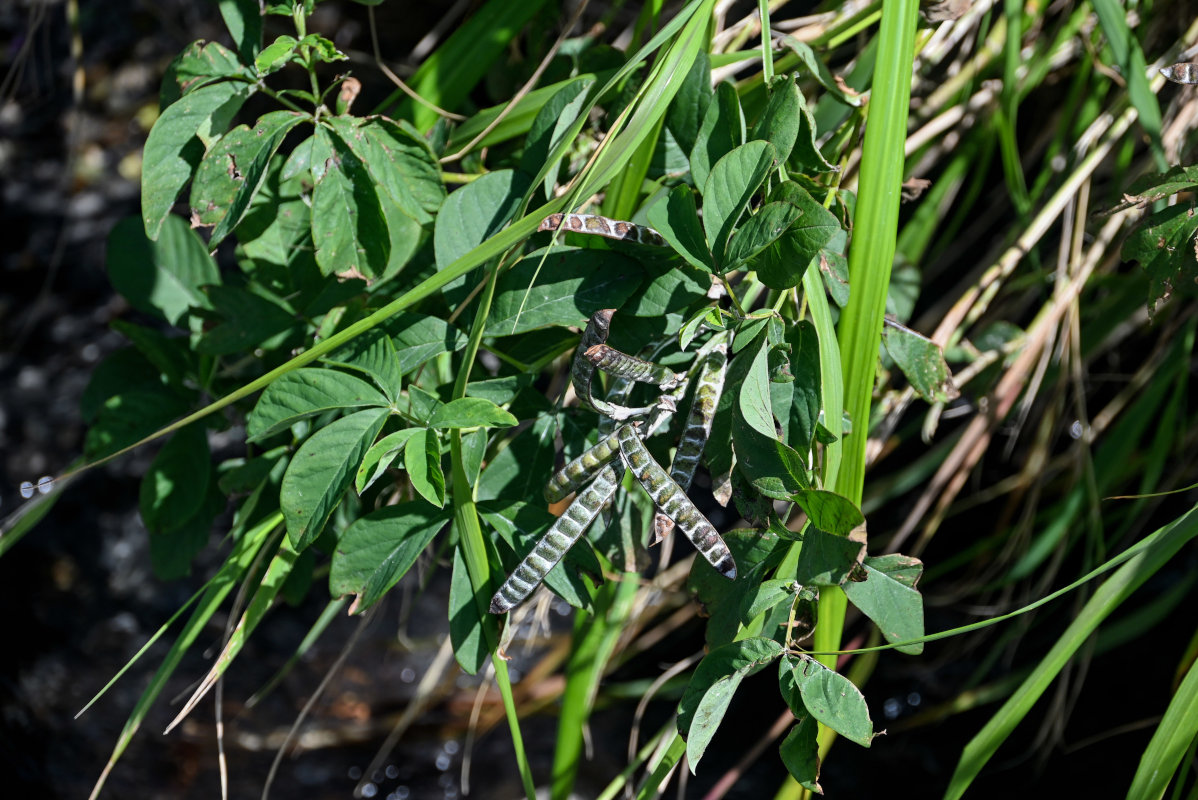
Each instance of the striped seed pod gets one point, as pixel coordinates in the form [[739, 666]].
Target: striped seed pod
[[674, 503], [602, 226], [583, 371], [622, 365], [698, 428], [583, 468], [553, 546]]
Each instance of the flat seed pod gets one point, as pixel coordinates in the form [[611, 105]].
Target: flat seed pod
[[674, 503], [557, 541], [622, 365], [698, 428], [602, 226], [582, 469]]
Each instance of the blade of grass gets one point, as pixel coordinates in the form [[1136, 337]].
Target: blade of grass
[[474, 548], [1129, 57], [651, 787], [1158, 549], [244, 553], [452, 70], [871, 255]]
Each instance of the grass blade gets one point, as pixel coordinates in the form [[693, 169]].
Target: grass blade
[[1107, 599]]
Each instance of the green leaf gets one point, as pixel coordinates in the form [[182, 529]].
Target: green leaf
[[276, 230], [760, 231], [772, 466], [755, 552], [688, 108], [520, 470], [379, 549], [562, 286], [470, 216], [922, 361], [1164, 245], [765, 596], [176, 483], [733, 182], [834, 268], [818, 70], [710, 691], [834, 700], [321, 471], [247, 320], [372, 353], [163, 278], [888, 597], [322, 50], [169, 356], [800, 753], [381, 455], [677, 220], [399, 160], [805, 397], [806, 154], [551, 124], [829, 511], [422, 460], [722, 129], [469, 628], [780, 123], [1159, 185], [198, 65], [122, 370], [130, 416], [826, 559], [349, 230], [233, 171], [305, 393], [783, 262], [276, 55], [243, 18], [172, 551], [471, 412], [177, 142], [417, 338]]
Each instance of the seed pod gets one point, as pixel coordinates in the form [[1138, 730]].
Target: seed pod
[[674, 503], [698, 428], [602, 226], [582, 469], [583, 370], [564, 532], [622, 365]]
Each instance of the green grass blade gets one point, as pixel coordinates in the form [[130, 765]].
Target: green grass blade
[[871, 252], [595, 640], [230, 573], [449, 74], [474, 547], [1169, 743], [1129, 57], [652, 786], [1107, 599]]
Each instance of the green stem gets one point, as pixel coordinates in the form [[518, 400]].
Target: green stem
[[474, 547], [595, 638], [652, 785]]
